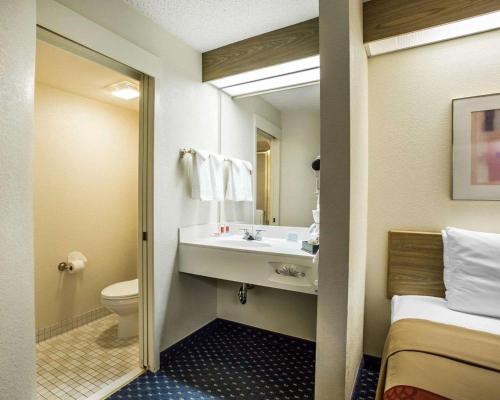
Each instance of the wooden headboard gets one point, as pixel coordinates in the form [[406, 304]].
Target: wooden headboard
[[415, 264]]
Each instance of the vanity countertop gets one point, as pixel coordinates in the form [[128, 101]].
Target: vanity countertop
[[268, 245], [273, 262]]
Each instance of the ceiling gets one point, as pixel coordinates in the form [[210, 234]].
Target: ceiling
[[208, 24], [299, 99], [66, 71]]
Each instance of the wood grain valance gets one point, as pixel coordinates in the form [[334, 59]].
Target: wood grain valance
[[387, 18], [287, 44]]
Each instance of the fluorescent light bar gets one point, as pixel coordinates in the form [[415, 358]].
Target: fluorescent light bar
[[273, 83], [481, 23], [124, 90], [268, 72]]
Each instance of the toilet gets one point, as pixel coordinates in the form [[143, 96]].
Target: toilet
[[123, 299]]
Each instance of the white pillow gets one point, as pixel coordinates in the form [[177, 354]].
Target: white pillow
[[472, 271]]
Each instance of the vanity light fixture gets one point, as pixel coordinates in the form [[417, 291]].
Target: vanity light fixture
[[124, 90], [296, 73], [466, 27]]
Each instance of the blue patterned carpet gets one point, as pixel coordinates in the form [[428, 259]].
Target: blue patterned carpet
[[366, 386], [226, 360]]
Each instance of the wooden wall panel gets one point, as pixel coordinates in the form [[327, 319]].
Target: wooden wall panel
[[415, 264], [287, 44], [387, 18]]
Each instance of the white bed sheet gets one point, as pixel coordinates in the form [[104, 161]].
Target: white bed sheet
[[435, 309]]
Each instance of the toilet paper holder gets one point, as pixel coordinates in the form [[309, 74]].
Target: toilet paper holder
[[74, 258], [63, 266]]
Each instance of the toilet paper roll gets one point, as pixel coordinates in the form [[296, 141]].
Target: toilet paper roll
[[76, 266]]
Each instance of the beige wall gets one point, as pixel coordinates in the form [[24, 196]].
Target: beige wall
[[344, 196], [334, 230], [17, 69], [410, 151], [299, 147], [186, 115], [358, 195], [286, 312], [85, 199]]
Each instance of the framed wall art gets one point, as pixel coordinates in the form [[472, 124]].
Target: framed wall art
[[476, 148]]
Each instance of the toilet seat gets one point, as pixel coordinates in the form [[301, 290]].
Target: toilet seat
[[121, 290]]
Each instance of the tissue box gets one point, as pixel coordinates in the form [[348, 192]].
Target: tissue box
[[310, 248]]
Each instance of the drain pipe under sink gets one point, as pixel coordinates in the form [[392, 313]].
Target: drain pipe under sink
[[242, 293]]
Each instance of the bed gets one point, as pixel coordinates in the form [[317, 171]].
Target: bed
[[432, 352]]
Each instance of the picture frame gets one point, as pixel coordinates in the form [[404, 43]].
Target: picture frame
[[476, 148]]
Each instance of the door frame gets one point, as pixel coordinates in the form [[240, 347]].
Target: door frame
[[145, 240], [275, 133], [145, 265]]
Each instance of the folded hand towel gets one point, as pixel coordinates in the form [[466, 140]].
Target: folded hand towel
[[201, 184], [239, 183], [216, 163]]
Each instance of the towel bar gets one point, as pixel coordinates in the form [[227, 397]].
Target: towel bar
[[184, 151]]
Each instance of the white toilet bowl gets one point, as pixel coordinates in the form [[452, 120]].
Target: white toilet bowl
[[123, 299]]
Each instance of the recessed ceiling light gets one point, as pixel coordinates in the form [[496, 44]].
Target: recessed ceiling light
[[124, 90], [470, 26]]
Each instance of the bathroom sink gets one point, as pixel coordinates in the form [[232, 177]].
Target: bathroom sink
[[274, 262], [242, 243]]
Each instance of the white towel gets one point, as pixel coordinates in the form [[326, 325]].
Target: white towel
[[239, 182], [216, 163], [201, 184]]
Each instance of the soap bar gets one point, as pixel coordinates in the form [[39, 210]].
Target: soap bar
[[310, 248]]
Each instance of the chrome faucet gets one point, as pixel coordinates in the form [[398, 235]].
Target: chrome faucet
[[250, 236], [247, 235]]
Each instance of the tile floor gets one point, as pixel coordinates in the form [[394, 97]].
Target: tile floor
[[83, 361], [226, 360]]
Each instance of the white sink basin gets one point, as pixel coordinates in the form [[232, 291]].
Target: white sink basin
[[268, 245], [243, 243]]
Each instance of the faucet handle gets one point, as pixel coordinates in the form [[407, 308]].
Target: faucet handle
[[258, 234], [246, 233]]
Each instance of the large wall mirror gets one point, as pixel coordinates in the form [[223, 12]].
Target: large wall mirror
[[282, 144]]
